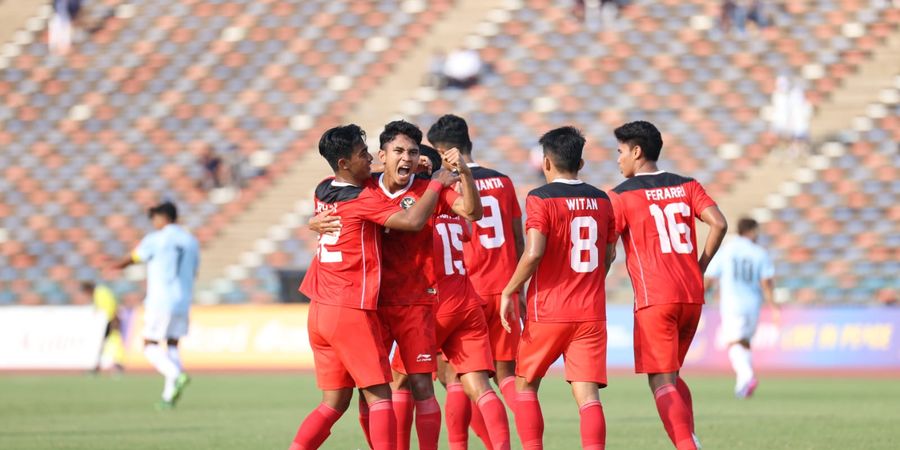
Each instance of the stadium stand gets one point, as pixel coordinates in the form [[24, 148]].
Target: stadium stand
[[140, 99]]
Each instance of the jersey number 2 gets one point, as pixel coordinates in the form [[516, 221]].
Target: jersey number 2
[[581, 245], [673, 235], [326, 256]]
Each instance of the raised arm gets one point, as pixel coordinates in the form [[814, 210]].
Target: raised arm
[[535, 245], [414, 218], [468, 205], [718, 226]]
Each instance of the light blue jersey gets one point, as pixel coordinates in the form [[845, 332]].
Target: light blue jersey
[[172, 256], [740, 266]]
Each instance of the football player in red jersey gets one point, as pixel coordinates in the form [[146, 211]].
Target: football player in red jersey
[[491, 254], [343, 283], [409, 285], [570, 245], [655, 212]]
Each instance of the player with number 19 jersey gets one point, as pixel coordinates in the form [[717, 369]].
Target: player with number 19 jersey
[[490, 256], [567, 293], [655, 215]]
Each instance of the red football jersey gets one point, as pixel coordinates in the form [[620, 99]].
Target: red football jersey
[[655, 216], [570, 282], [455, 290], [347, 268], [491, 253], [408, 276]]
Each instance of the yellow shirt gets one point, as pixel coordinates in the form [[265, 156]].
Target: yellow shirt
[[105, 301]]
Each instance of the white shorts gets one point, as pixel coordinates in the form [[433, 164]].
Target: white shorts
[[738, 327], [160, 326]]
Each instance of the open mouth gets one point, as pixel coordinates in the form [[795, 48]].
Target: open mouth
[[403, 171]]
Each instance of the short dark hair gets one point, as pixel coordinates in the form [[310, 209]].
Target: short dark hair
[[451, 130], [166, 209], [746, 225], [338, 142], [392, 129], [642, 134], [87, 286], [564, 145], [433, 155]]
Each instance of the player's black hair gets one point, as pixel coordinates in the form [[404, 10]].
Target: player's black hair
[[642, 134], [564, 146], [166, 209], [747, 225], [338, 142], [453, 131], [87, 286], [433, 155], [392, 129]]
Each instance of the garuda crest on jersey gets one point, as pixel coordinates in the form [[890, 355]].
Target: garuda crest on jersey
[[407, 202]]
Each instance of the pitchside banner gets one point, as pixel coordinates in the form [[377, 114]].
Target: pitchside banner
[[50, 337], [254, 337]]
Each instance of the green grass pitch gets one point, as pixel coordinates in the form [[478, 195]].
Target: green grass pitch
[[262, 411]]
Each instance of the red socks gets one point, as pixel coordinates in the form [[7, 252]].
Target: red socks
[[403, 411], [508, 389], [494, 414], [675, 415], [383, 425], [458, 409], [529, 420], [364, 418], [315, 428], [428, 423], [478, 425], [593, 426], [685, 394]]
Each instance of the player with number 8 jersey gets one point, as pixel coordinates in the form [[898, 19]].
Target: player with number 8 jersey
[[655, 212]]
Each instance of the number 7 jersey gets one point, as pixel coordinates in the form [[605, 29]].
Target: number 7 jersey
[[655, 215], [569, 284]]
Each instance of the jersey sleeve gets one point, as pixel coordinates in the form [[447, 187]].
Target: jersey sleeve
[[768, 268], [514, 208], [611, 235], [144, 250], [536, 210], [374, 209], [618, 209], [699, 199], [445, 202]]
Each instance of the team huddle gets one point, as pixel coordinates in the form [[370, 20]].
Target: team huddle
[[430, 258]]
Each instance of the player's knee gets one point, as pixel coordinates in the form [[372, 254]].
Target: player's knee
[[475, 384], [338, 400], [505, 369], [421, 385]]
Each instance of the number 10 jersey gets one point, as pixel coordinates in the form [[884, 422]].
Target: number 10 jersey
[[655, 215], [570, 282]]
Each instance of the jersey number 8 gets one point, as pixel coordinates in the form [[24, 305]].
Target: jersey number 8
[[581, 245]]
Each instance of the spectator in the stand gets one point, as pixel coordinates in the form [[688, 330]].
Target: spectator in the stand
[[736, 13], [435, 76], [791, 113], [65, 12], [463, 68], [607, 8], [212, 169]]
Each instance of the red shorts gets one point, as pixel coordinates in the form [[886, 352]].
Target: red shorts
[[347, 347], [412, 328], [582, 344], [462, 339], [663, 335], [503, 344]]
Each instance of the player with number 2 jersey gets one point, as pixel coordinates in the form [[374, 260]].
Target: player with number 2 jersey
[[655, 212]]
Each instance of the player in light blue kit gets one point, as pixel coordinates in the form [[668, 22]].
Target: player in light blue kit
[[172, 256], [745, 274]]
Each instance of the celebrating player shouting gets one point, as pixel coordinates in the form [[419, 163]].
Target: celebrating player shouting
[[568, 251], [343, 282], [655, 213], [409, 286]]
